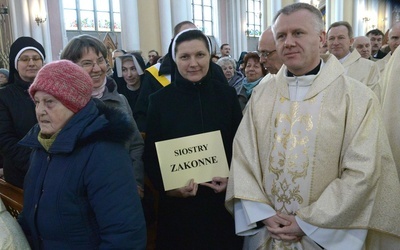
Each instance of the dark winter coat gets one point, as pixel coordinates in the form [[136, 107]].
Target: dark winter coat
[[131, 95], [182, 109], [243, 96], [82, 193], [236, 81], [379, 55], [112, 98], [17, 117], [150, 85]]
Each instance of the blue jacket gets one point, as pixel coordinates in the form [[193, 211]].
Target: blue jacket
[[82, 193]]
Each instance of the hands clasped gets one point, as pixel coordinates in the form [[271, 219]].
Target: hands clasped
[[218, 184], [284, 227]]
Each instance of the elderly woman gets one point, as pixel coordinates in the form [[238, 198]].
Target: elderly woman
[[90, 53], [234, 77], [130, 72], [254, 72], [79, 192], [194, 216], [17, 112]]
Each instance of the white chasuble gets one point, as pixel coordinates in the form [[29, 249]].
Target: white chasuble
[[391, 104], [324, 157], [363, 70]]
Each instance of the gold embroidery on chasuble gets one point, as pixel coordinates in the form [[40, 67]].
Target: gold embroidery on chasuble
[[291, 160]]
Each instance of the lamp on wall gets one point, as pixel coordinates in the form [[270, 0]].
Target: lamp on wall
[[366, 19], [40, 19], [315, 3], [3, 10]]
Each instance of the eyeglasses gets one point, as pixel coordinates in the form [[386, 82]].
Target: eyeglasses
[[27, 59], [90, 65], [265, 54]]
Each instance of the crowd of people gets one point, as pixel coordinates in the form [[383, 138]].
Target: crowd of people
[[308, 125]]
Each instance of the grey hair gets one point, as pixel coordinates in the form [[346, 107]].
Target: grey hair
[[287, 10], [225, 60]]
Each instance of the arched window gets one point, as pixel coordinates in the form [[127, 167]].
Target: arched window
[[92, 15], [202, 11], [253, 13]]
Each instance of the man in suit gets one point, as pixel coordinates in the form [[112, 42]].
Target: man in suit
[[376, 37]]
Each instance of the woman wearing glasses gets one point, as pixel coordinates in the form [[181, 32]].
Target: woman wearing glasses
[[90, 53], [17, 111]]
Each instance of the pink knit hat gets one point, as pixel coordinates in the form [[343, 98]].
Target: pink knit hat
[[66, 81]]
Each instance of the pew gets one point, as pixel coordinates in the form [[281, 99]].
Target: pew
[[12, 197]]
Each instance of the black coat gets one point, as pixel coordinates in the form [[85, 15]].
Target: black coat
[[17, 117], [379, 55], [182, 109], [150, 85], [131, 95]]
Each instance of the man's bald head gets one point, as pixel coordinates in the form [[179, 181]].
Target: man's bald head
[[267, 51], [363, 45], [394, 37]]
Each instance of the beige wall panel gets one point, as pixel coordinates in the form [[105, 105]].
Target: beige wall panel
[[287, 2], [348, 10], [149, 26]]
